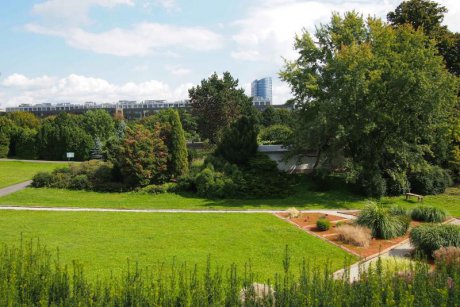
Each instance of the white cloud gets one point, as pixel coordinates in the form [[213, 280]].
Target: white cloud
[[73, 11], [178, 70], [270, 26], [169, 5], [140, 40], [77, 89]]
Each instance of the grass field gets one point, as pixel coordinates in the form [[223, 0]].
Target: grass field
[[305, 199], [12, 172], [104, 241]]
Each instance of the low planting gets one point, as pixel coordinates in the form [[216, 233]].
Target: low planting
[[428, 214], [354, 235], [450, 256], [323, 224], [428, 238], [31, 276], [383, 224]]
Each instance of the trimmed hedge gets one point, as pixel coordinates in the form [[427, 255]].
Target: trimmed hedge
[[428, 214], [431, 237]]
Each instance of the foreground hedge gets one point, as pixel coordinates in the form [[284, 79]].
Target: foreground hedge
[[430, 237], [30, 277]]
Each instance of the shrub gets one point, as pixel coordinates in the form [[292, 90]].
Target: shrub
[[432, 180], [398, 210], [323, 224], [275, 134], [430, 237], [80, 182], [383, 224], [42, 180], [397, 184], [449, 255], [293, 213], [159, 188], [428, 214], [354, 235]]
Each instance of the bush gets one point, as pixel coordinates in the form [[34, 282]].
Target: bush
[[398, 210], [42, 180], [431, 237], [354, 235], [80, 182], [323, 224], [449, 255], [275, 134], [432, 180], [428, 214], [397, 184], [159, 188], [383, 224]]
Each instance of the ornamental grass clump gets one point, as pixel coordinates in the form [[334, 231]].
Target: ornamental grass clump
[[293, 213], [428, 214], [382, 223], [431, 237], [354, 235]]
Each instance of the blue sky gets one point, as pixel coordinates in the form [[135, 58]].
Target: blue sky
[[109, 50]]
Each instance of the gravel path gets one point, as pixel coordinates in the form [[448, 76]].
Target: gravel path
[[14, 188]]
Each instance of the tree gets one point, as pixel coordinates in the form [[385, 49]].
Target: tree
[[217, 103], [428, 16], [374, 100], [270, 117], [142, 156], [96, 152], [26, 144], [61, 134], [172, 134], [99, 124], [24, 119], [4, 145], [239, 142]]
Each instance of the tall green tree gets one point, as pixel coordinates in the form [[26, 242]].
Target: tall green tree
[[428, 16], [217, 103], [374, 100], [99, 124]]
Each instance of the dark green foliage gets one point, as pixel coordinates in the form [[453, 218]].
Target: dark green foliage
[[323, 224], [4, 145], [190, 125], [276, 134], [383, 224], [397, 210], [428, 214], [26, 144], [61, 134], [431, 180], [216, 104], [431, 237], [91, 175], [239, 143], [31, 276]]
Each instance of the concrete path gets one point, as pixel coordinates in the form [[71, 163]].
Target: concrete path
[[78, 209], [14, 188]]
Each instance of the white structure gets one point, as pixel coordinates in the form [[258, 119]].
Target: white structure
[[296, 164]]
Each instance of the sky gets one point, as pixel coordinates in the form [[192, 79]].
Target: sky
[[110, 50]]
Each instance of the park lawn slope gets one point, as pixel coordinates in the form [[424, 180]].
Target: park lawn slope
[[13, 172], [104, 242]]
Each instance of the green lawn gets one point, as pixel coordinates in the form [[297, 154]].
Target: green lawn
[[304, 199], [12, 172], [104, 241]]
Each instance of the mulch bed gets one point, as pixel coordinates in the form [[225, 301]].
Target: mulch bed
[[307, 222]]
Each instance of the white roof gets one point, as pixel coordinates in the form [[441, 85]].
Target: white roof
[[272, 148]]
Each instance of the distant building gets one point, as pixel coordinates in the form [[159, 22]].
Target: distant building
[[130, 109], [261, 92]]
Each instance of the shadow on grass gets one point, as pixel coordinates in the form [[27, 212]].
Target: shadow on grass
[[303, 195]]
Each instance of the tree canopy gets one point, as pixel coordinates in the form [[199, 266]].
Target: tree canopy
[[375, 101], [217, 103]]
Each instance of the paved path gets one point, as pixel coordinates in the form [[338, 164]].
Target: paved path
[[14, 188], [78, 209]]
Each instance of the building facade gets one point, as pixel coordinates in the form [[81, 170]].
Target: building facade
[[261, 92]]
